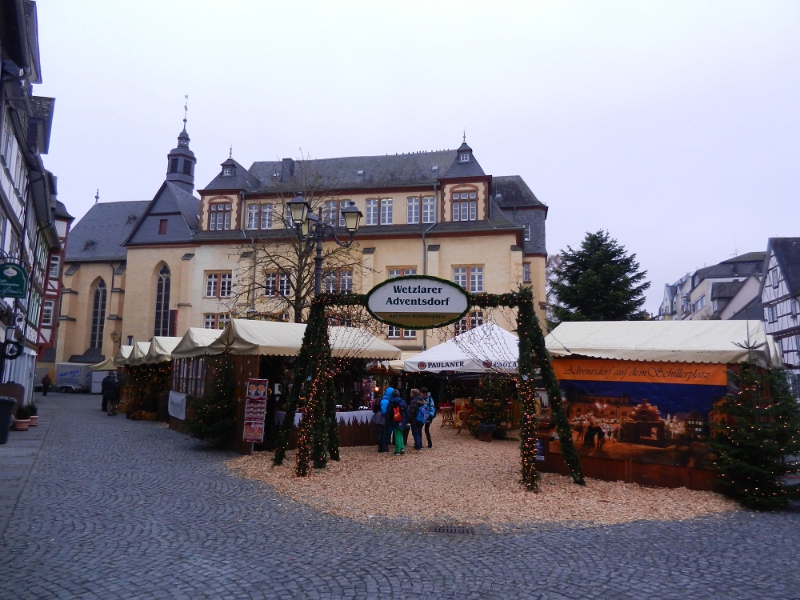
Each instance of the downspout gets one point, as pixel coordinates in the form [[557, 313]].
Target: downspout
[[425, 260]]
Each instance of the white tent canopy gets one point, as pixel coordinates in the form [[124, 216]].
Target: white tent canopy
[[160, 350], [484, 349], [137, 354], [107, 365], [717, 342], [270, 338], [122, 354], [195, 342]]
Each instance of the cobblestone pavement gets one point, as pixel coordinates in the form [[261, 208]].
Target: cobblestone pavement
[[113, 508]]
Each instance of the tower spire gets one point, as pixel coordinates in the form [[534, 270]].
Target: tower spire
[[185, 110], [465, 135], [230, 154], [97, 196]]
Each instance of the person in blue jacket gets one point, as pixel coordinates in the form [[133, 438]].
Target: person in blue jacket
[[430, 407], [384, 426], [397, 408]]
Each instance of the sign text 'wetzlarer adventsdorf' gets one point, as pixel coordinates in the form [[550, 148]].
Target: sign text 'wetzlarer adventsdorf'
[[417, 301]]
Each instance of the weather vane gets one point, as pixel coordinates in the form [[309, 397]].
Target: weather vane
[[185, 110]]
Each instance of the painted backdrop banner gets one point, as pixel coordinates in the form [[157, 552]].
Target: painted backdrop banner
[[640, 372]]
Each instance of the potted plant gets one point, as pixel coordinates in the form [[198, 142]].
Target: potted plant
[[22, 421], [34, 410]]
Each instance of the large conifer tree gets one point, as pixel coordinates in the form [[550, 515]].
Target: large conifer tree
[[598, 282]]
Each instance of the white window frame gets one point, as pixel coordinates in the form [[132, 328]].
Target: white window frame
[[412, 210], [393, 332], [527, 233], [219, 284], [266, 216], [48, 312], [252, 216], [526, 272], [342, 205], [464, 157], [212, 285], [284, 285], [55, 266], [271, 284], [429, 209], [386, 211], [330, 212], [219, 218], [470, 278], [371, 216]]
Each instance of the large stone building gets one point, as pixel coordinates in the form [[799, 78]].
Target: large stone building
[[33, 224], [179, 261]]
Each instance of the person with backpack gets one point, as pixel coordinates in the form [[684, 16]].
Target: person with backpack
[[379, 418], [430, 408], [397, 415], [417, 415]]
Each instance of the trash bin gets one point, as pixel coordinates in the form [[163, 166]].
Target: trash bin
[[6, 407]]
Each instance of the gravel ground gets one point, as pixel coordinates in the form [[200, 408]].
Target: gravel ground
[[468, 482]]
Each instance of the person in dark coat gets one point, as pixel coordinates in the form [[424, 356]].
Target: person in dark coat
[[415, 404], [110, 389], [46, 384]]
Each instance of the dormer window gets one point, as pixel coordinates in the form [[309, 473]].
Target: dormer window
[[464, 157], [131, 220], [465, 206], [89, 245], [227, 171]]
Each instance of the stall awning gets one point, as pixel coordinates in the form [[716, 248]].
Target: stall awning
[[137, 354], [107, 365], [160, 350], [666, 341], [122, 354], [195, 342], [484, 349], [270, 338]]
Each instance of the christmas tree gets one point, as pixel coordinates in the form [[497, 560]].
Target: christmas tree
[[215, 414], [758, 429]]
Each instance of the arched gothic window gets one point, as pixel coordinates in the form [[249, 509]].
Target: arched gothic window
[[163, 321], [98, 315]]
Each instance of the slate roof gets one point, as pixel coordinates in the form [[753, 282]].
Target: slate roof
[[787, 253], [240, 180], [188, 204], [42, 116], [725, 289], [356, 172], [459, 169], [739, 266], [752, 311], [513, 191], [106, 224], [61, 211]]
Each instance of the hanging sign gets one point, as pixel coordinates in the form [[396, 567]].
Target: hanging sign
[[418, 302], [255, 410], [13, 281]]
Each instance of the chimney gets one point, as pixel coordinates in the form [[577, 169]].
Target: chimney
[[287, 169]]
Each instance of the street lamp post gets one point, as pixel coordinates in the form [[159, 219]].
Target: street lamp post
[[312, 230]]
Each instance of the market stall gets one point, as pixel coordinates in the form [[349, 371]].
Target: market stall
[[640, 395]]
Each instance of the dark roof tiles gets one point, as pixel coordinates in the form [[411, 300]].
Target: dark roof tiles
[[787, 252], [107, 225]]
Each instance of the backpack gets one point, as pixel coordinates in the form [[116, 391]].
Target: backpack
[[397, 415], [422, 414]]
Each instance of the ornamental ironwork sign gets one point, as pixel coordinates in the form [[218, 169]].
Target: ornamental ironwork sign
[[13, 281], [418, 302]]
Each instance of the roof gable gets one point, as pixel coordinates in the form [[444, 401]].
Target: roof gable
[[787, 253], [175, 206]]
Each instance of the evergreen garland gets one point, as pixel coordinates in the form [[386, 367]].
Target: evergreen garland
[[215, 413], [759, 427]]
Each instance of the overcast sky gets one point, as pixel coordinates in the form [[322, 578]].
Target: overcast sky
[[673, 125]]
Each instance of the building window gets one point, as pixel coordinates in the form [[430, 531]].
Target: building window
[[429, 209], [772, 314], [699, 303], [331, 212], [55, 266], [465, 206], [471, 321], [163, 325], [227, 171], [775, 277], [371, 218], [338, 282], [465, 157], [526, 272], [386, 211], [187, 166], [412, 210], [173, 165], [162, 227], [219, 218], [259, 216], [393, 332], [400, 272], [48, 310], [218, 285], [795, 303], [470, 278], [216, 320], [284, 285], [402, 333], [527, 229], [98, 315], [270, 284]]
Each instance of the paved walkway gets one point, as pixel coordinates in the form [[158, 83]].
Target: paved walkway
[[108, 508]]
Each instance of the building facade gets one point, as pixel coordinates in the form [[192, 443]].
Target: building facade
[[29, 210], [192, 262], [780, 298]]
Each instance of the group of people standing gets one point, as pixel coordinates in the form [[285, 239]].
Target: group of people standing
[[396, 417]]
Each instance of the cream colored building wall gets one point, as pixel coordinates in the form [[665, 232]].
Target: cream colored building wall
[[140, 293], [479, 187], [74, 331]]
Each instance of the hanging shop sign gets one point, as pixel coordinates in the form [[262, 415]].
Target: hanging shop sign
[[13, 281], [418, 302], [255, 410]]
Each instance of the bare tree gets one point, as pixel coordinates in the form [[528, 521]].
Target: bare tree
[[275, 276]]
